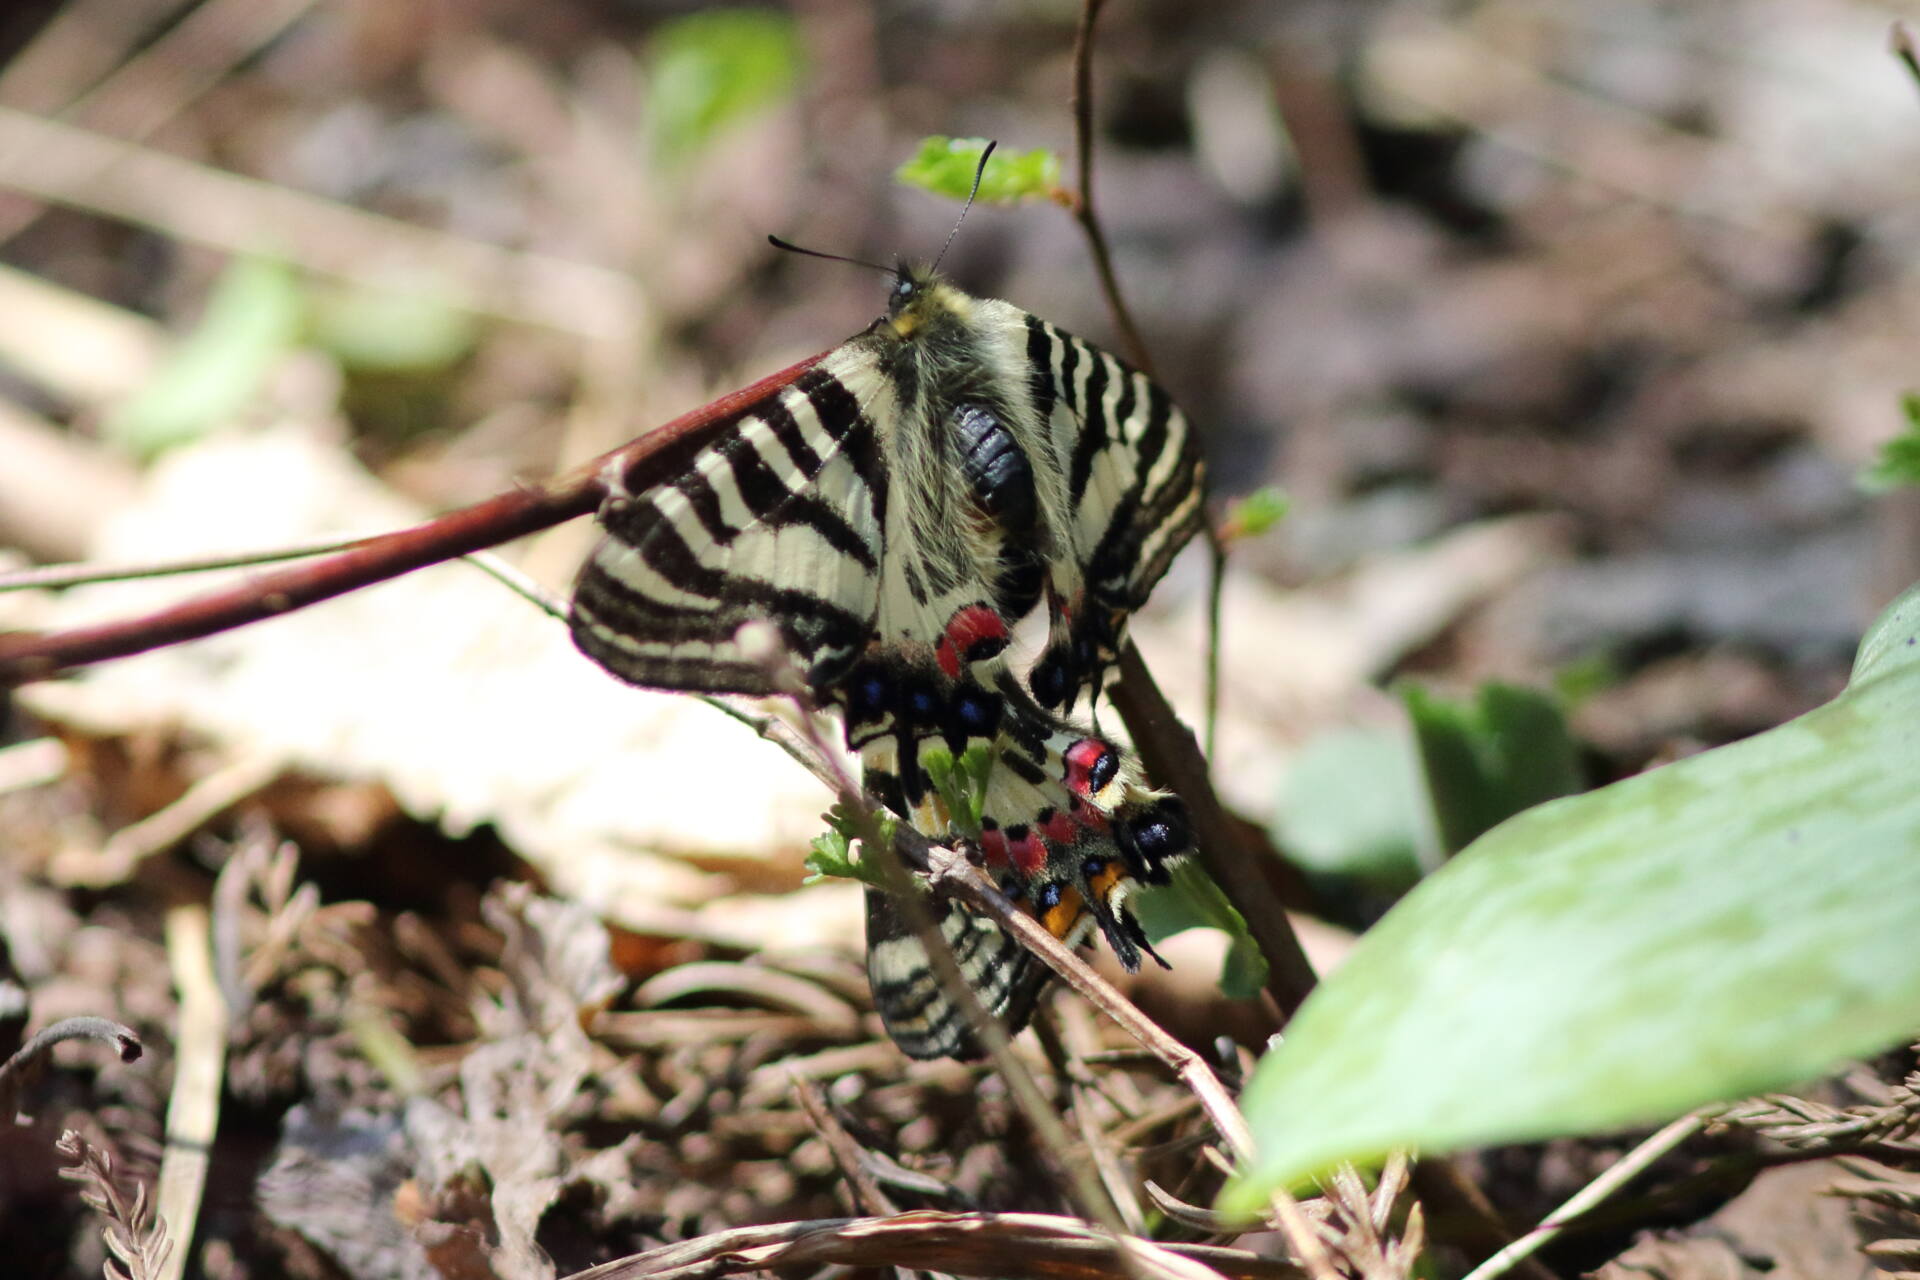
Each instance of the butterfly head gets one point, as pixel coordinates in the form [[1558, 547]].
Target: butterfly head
[[921, 299]]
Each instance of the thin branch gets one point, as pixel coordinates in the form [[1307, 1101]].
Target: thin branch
[[1173, 757], [1168, 747], [1083, 1187], [964, 881], [55, 577], [26, 656], [1084, 211]]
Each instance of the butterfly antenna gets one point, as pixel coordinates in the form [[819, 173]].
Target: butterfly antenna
[[978, 174], [790, 247]]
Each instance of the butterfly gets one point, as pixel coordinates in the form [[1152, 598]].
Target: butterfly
[[893, 511]]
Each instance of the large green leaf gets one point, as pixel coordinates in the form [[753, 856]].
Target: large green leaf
[[1737, 922]]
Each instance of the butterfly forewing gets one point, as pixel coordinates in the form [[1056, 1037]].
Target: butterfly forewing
[[1135, 491], [780, 519]]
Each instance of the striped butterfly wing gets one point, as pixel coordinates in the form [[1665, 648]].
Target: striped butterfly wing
[[1104, 491], [1068, 830], [892, 511], [779, 518], [915, 1007], [1135, 487]]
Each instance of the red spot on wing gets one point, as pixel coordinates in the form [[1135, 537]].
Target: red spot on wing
[[1027, 852], [948, 659], [1089, 817], [994, 844], [1059, 828], [973, 634], [1082, 759]]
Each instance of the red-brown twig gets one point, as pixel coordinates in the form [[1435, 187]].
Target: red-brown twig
[[28, 656]]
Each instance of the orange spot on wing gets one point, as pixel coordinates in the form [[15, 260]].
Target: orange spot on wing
[[1108, 880], [1065, 914]]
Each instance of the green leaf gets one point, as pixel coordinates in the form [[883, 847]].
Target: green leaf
[[386, 331], [712, 69], [1737, 922], [834, 853], [1898, 466], [1255, 514], [1193, 901], [1893, 642], [962, 786], [1352, 808], [1584, 677], [1486, 760], [945, 166], [251, 320]]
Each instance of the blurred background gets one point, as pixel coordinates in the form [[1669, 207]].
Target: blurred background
[[1566, 328]]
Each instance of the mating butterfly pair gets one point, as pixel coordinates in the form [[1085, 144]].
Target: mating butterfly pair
[[893, 510]]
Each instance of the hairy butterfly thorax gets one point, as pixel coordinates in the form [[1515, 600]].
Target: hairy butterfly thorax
[[895, 510]]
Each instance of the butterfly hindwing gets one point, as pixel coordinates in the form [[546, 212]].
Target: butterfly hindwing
[[915, 1007]]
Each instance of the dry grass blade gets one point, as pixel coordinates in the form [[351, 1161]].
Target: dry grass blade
[[846, 1152], [763, 986], [193, 1108], [1018, 1246], [1192, 1215], [116, 859], [189, 202], [1621, 1172], [135, 1235], [1303, 1236], [159, 81]]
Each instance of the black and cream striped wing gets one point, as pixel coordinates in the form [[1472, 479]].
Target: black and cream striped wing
[[914, 1005], [1134, 484], [780, 519]]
